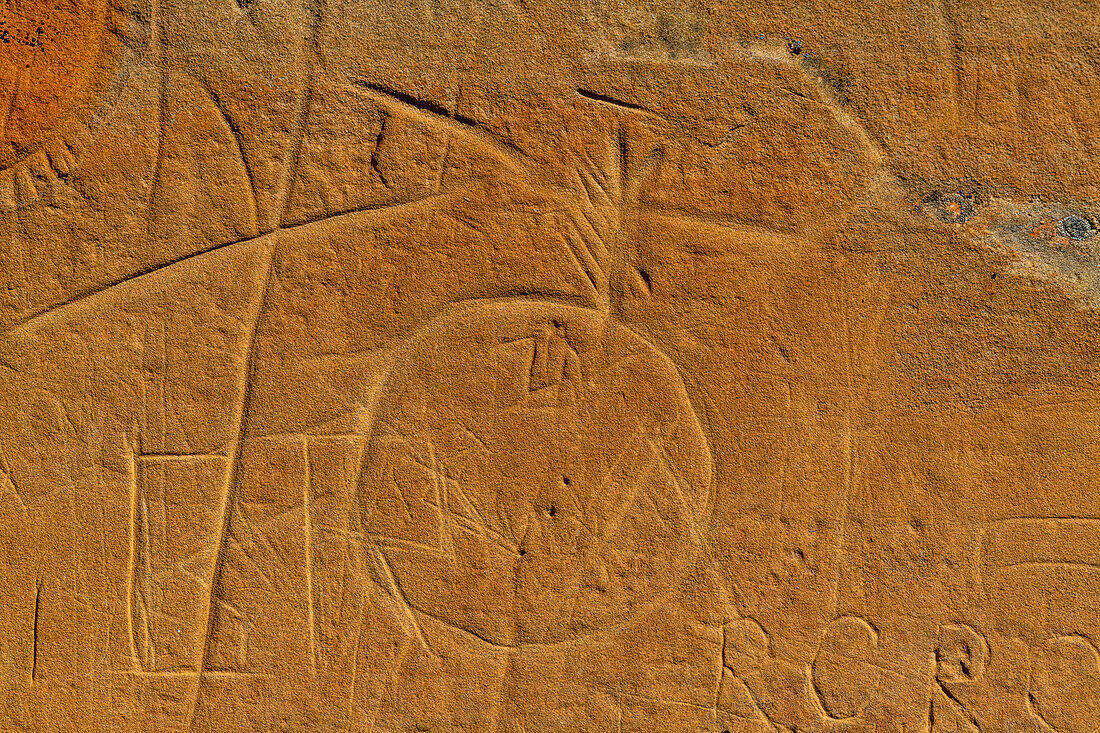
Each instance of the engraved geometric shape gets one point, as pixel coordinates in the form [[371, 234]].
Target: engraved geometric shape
[[1065, 684], [745, 646], [961, 654], [535, 473], [844, 672], [174, 531]]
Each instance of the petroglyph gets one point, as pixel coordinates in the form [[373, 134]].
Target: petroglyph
[[1065, 684], [845, 676], [518, 490], [510, 366], [60, 66]]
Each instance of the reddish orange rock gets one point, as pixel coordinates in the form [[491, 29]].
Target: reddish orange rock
[[52, 57]]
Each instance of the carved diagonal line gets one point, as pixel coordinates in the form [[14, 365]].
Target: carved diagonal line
[[393, 588], [232, 477], [440, 118], [474, 520], [388, 208], [589, 229], [237, 134]]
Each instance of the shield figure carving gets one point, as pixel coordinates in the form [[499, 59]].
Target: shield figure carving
[[535, 474]]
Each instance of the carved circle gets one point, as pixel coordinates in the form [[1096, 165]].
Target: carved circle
[[534, 474], [961, 654], [745, 646], [1065, 684], [845, 675]]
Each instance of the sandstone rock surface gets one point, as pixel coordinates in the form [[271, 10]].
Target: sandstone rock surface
[[512, 365]]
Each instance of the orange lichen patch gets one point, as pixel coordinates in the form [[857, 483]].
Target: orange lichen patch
[[51, 54]]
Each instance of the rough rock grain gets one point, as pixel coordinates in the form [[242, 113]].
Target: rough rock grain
[[501, 366]]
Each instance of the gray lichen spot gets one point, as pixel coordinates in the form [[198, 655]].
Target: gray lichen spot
[[1051, 242], [1076, 227]]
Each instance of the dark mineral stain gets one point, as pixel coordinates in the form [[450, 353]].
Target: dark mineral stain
[[953, 208]]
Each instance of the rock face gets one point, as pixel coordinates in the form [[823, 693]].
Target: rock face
[[536, 474], [564, 367]]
